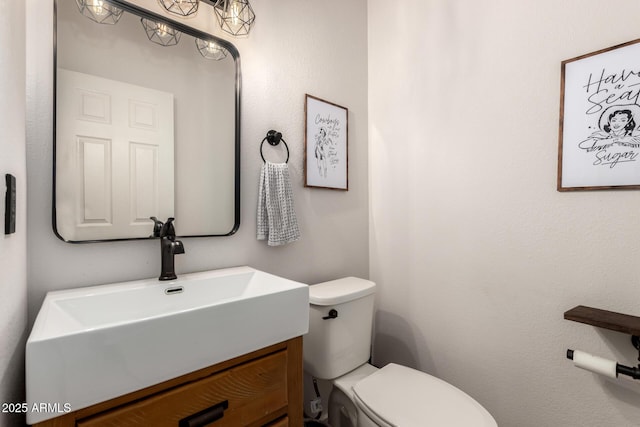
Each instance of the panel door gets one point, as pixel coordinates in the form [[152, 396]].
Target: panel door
[[114, 157]]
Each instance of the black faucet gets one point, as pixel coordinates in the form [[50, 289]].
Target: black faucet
[[169, 247]]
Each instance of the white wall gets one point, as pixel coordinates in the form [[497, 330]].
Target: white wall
[[297, 47], [13, 247], [476, 253]]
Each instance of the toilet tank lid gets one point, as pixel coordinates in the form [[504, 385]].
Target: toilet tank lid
[[341, 290]]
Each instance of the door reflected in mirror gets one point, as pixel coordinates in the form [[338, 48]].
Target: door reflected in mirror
[[143, 130]]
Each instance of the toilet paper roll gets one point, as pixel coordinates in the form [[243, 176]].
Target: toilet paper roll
[[595, 364]]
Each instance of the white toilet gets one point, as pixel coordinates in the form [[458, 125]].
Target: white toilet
[[337, 348]]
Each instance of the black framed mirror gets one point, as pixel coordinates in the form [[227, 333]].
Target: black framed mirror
[[143, 129]]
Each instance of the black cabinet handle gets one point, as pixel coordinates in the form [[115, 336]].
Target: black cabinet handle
[[206, 416]]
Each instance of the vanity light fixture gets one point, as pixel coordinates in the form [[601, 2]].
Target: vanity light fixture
[[211, 50], [235, 17], [160, 33], [100, 11], [180, 7]]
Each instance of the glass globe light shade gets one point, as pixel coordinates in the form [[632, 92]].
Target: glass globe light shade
[[100, 11], [211, 50], [160, 33], [180, 7], [235, 17]]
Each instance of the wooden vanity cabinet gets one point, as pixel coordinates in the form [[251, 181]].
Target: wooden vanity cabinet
[[263, 388]]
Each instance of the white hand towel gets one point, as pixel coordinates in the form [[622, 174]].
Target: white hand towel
[[277, 222]]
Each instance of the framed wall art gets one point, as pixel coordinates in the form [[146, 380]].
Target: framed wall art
[[325, 144], [599, 140]]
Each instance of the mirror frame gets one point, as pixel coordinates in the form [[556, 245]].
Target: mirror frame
[[180, 26]]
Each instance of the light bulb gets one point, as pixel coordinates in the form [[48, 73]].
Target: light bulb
[[161, 30], [98, 7], [234, 12], [212, 47]]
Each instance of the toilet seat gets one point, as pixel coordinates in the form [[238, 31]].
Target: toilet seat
[[400, 396], [346, 382]]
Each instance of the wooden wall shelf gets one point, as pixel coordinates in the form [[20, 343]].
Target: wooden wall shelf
[[605, 319]]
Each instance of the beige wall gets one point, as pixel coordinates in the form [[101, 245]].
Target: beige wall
[[13, 247], [476, 253], [281, 61]]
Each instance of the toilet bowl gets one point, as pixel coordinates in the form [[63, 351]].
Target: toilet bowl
[[337, 349]]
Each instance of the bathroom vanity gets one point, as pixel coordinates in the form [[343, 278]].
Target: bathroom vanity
[[221, 345], [262, 388]]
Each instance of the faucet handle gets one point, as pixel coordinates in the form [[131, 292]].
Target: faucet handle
[[168, 230], [157, 226]]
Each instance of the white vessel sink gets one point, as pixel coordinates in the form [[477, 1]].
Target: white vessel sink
[[92, 344]]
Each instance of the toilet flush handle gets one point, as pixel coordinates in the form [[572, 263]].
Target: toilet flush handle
[[333, 313]]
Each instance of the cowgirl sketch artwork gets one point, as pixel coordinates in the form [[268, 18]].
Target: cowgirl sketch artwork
[[326, 144], [321, 151], [599, 142]]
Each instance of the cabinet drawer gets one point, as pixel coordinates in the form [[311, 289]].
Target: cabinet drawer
[[252, 391], [282, 422]]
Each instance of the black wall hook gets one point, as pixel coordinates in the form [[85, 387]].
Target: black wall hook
[[273, 138]]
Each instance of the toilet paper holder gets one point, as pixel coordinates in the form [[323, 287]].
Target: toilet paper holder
[[609, 320], [599, 365], [606, 367]]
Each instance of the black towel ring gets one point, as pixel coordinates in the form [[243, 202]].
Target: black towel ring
[[274, 138]]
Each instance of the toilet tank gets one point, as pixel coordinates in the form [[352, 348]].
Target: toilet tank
[[338, 344]]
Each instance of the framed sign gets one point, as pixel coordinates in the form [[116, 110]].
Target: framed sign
[[599, 141], [326, 159]]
